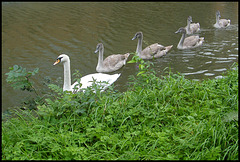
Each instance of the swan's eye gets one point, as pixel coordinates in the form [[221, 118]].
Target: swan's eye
[[57, 61]]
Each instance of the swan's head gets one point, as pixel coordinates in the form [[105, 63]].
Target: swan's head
[[189, 18], [218, 14], [181, 30], [138, 35], [61, 58], [99, 47]]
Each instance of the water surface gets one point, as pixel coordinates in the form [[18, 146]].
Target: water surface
[[35, 33]]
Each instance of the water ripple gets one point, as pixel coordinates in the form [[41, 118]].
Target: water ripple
[[197, 72]]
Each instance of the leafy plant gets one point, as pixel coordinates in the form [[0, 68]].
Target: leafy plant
[[19, 78], [169, 118], [144, 66]]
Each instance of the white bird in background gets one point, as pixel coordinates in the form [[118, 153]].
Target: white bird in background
[[111, 63], [189, 42], [155, 50], [192, 28], [221, 23]]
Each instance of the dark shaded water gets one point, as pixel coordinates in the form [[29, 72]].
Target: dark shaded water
[[34, 34]]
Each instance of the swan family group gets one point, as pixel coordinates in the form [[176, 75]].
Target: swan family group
[[116, 61]]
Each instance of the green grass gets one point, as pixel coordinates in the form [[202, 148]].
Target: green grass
[[166, 118]]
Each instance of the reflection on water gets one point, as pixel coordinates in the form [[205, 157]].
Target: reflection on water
[[34, 34]]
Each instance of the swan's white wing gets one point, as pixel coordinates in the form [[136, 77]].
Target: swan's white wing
[[100, 79]]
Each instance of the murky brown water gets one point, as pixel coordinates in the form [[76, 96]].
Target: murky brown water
[[34, 34]]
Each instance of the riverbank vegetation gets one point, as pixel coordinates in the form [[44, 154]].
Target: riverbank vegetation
[[157, 118]]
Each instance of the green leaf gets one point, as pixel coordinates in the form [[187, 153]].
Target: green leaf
[[141, 72], [131, 61]]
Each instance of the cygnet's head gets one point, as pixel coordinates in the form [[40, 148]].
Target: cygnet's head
[[181, 30], [138, 35], [99, 47]]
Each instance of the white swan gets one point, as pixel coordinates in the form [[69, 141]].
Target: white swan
[[155, 50], [189, 42], [221, 23], [104, 80], [112, 62], [192, 28]]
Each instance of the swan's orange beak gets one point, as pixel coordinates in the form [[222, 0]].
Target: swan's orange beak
[[58, 60]]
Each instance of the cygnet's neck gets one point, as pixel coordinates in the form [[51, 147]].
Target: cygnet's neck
[[139, 46], [180, 44], [100, 57], [188, 25], [217, 19]]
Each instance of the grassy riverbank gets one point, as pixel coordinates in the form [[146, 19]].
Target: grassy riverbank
[[162, 118]]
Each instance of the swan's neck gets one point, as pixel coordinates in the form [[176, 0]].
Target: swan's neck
[[67, 76], [100, 57], [180, 44], [139, 46]]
